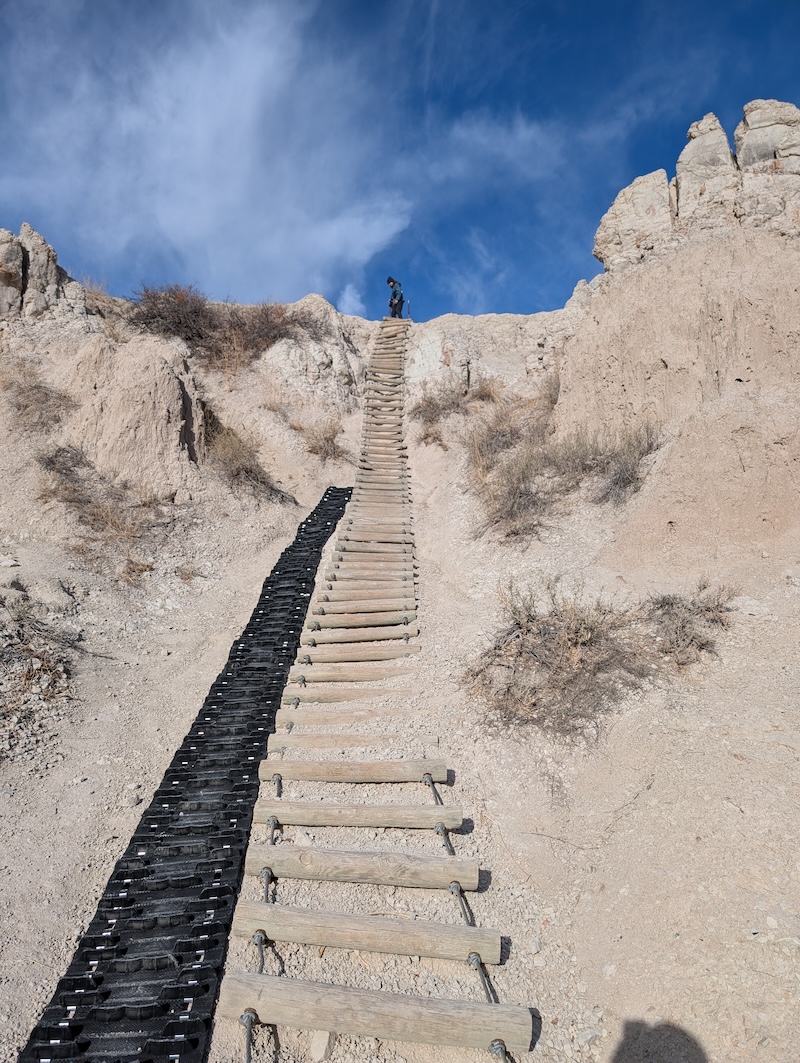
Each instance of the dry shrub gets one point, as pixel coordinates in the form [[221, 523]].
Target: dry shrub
[[562, 663], [113, 517], [321, 438], [225, 336], [236, 458], [622, 470], [686, 624], [447, 397], [37, 406], [176, 310], [521, 472], [133, 570]]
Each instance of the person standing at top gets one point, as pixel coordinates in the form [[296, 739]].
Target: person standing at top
[[396, 299]]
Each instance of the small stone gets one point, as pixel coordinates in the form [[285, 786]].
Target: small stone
[[539, 961], [321, 1046], [772, 922], [609, 970]]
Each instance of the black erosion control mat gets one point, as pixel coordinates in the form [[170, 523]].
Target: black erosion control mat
[[143, 983]]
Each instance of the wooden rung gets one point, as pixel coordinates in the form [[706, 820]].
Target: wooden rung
[[375, 536], [366, 591], [379, 869], [367, 550], [362, 620], [352, 579], [321, 814], [390, 524], [277, 743], [366, 933], [344, 673], [358, 634], [399, 570], [315, 693], [351, 654], [355, 771], [365, 1013], [365, 574], [364, 605], [335, 716], [398, 550]]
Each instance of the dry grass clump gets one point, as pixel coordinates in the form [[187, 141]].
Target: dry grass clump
[[34, 655], [37, 407], [561, 663], [115, 520], [447, 397], [224, 336], [236, 458], [186, 573], [321, 438], [686, 624], [622, 462], [521, 471]]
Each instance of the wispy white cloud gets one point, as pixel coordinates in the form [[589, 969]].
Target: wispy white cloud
[[226, 149], [350, 301]]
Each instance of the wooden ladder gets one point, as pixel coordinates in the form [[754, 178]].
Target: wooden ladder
[[359, 644]]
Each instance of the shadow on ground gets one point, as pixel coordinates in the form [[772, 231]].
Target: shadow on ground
[[663, 1043]]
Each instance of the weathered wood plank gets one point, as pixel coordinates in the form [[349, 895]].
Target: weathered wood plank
[[399, 592], [363, 545], [366, 933], [387, 619], [336, 692], [365, 1013], [333, 715], [345, 673], [380, 869], [363, 605], [358, 634], [355, 771], [338, 740], [322, 814], [347, 654]]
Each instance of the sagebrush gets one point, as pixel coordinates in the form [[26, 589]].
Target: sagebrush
[[225, 336], [561, 662], [522, 470]]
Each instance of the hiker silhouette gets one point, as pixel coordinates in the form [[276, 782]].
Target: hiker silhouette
[[662, 1043]]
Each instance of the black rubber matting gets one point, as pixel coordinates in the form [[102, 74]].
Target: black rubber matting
[[143, 983]]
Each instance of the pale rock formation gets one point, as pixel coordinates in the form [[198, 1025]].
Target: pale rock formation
[[702, 343], [768, 138], [31, 280], [707, 176], [43, 278], [759, 187], [324, 366], [11, 272], [638, 220]]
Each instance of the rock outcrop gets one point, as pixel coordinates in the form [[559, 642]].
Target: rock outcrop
[[757, 187], [31, 280]]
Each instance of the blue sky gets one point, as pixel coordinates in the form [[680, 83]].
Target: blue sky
[[263, 149]]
